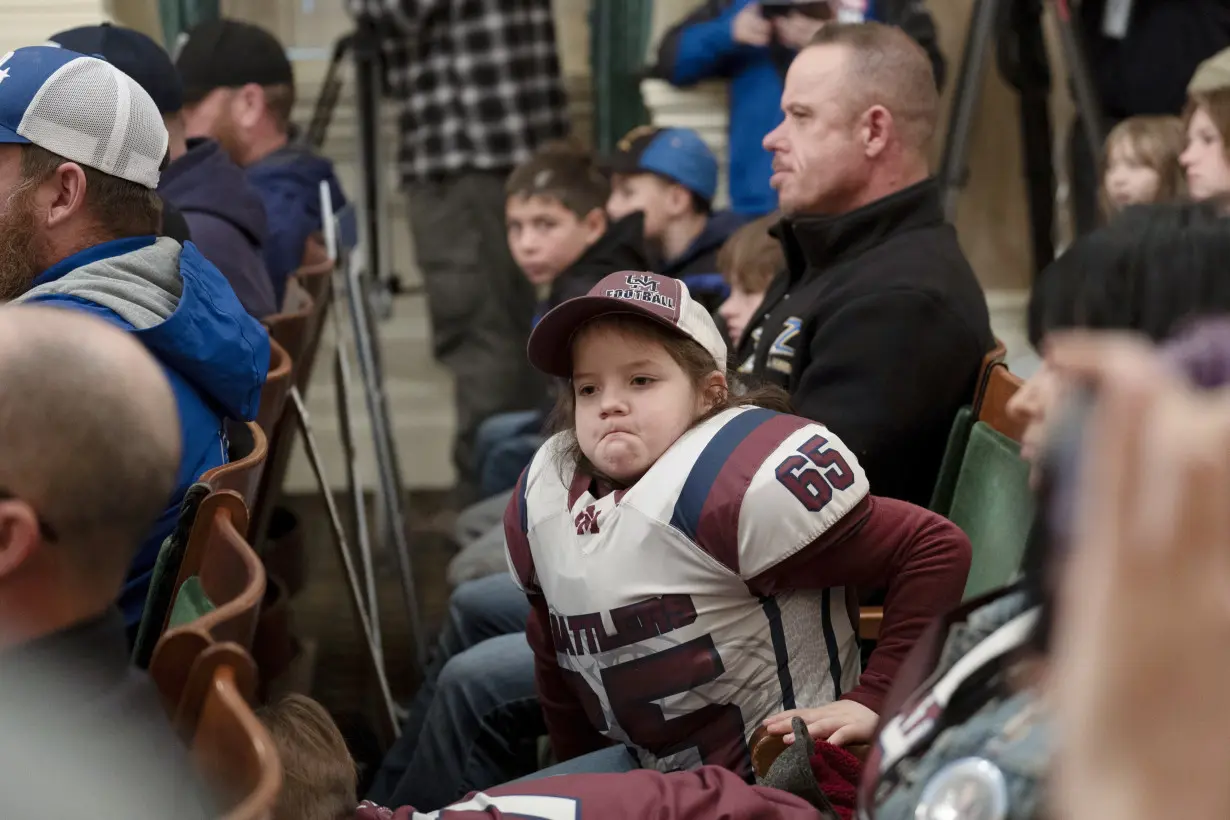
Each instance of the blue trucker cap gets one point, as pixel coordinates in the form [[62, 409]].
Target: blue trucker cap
[[82, 108]]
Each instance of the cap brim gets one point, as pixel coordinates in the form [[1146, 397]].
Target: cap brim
[[550, 346], [621, 163], [10, 137]]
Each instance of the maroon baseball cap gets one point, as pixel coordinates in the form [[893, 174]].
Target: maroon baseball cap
[[663, 299]]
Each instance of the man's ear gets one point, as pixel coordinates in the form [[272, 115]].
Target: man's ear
[[877, 128], [248, 104], [678, 199], [595, 224], [62, 195], [19, 535]]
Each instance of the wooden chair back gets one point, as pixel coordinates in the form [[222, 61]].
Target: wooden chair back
[[316, 281], [277, 385], [243, 473], [206, 688], [230, 747], [221, 581], [995, 356], [1001, 386], [316, 277], [290, 327]]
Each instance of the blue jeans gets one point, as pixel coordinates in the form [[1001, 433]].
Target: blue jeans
[[499, 429], [505, 461], [476, 718], [611, 760]]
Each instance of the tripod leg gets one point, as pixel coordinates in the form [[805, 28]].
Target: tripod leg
[[341, 375], [339, 535], [1088, 107], [953, 166], [382, 439]]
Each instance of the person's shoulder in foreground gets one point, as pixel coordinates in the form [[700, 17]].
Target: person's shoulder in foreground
[[239, 88], [91, 450]]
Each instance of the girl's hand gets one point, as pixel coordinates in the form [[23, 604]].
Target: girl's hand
[[842, 723]]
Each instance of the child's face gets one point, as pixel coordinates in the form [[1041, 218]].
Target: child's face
[[738, 310], [1129, 181], [545, 238], [647, 193], [633, 401], [1204, 161]]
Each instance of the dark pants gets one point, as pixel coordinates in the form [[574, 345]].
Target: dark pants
[[480, 304]]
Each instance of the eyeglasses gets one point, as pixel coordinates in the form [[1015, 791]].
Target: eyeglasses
[[44, 529]]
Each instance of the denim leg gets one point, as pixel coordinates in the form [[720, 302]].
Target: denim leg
[[611, 760], [482, 728], [477, 610], [499, 427], [505, 461]]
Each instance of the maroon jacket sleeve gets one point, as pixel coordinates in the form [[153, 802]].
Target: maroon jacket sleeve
[[921, 558], [708, 793], [569, 707]]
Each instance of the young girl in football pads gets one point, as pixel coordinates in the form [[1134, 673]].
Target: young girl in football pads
[[692, 555]]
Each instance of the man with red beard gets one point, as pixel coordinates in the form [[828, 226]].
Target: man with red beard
[[81, 145], [239, 89]]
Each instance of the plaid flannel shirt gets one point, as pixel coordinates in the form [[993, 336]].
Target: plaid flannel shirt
[[477, 82]]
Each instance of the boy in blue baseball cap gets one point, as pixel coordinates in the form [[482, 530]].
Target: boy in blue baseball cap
[[671, 176]]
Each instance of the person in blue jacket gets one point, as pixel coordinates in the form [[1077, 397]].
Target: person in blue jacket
[[239, 89], [751, 44], [81, 144]]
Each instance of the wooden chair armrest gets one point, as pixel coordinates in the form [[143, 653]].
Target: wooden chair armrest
[[869, 618]]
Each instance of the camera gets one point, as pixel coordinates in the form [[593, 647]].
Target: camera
[[816, 9]]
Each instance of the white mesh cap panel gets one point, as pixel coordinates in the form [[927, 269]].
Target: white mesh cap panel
[[93, 114], [695, 321]]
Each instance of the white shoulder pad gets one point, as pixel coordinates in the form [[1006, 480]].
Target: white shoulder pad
[[804, 487]]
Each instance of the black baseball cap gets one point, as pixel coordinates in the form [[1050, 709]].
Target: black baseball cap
[[133, 53], [230, 54]]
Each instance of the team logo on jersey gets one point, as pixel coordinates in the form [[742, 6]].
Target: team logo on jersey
[[587, 521], [781, 352], [640, 287]]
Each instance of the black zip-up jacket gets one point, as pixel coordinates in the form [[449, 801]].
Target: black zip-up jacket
[[877, 329]]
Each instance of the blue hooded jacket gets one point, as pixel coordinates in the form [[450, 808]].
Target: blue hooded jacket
[[215, 355], [288, 181], [226, 218]]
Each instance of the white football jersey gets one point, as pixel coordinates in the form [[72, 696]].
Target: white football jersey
[[654, 613]]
